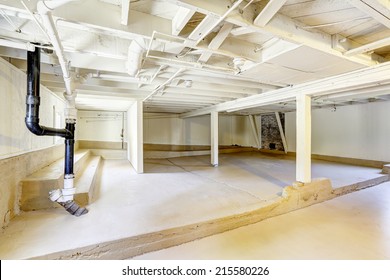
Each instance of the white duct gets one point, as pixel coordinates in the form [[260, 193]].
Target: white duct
[[135, 55]]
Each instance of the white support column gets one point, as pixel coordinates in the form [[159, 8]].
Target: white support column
[[281, 131], [252, 121], [214, 138], [303, 160], [135, 153]]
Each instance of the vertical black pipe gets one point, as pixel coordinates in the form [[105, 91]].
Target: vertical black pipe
[[69, 151]]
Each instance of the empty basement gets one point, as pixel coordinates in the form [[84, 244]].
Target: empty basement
[[185, 129]]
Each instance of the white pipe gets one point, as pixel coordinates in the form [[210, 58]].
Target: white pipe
[[44, 9], [35, 20], [231, 9], [47, 6], [164, 84]]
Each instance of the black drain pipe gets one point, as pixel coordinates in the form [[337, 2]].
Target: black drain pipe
[[33, 99], [32, 123]]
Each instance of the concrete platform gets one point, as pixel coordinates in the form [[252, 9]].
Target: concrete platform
[[174, 196], [352, 227], [36, 187]]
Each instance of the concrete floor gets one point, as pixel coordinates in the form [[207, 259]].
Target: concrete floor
[[354, 226], [170, 194]]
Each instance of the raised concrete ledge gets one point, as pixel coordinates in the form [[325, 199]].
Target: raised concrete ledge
[[293, 198], [86, 182], [36, 187], [386, 169]]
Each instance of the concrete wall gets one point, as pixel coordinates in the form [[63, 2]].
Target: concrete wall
[[355, 131], [14, 136], [100, 125], [21, 152], [170, 129], [135, 136]]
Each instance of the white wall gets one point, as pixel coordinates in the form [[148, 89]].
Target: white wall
[[135, 136], [14, 136], [235, 130], [170, 129], [355, 131], [100, 125]]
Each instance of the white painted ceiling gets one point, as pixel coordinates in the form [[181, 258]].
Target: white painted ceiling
[[198, 55]]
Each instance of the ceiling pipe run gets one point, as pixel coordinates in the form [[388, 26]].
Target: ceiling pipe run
[[44, 9]]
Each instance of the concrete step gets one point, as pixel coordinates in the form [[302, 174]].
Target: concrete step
[[85, 183], [36, 187]]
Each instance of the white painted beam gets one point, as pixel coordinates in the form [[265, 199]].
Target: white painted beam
[[125, 12], [182, 16], [242, 30], [280, 26], [201, 29], [303, 159], [369, 47], [378, 9], [214, 138], [268, 12], [100, 19], [269, 50], [216, 42], [373, 76], [281, 131]]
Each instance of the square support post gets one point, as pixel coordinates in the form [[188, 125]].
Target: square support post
[[303, 160], [214, 138], [135, 148]]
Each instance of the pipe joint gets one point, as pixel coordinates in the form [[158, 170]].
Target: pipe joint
[[33, 100]]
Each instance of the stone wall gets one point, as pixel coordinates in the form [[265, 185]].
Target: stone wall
[[270, 135]]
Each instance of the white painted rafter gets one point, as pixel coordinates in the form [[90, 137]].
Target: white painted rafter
[[280, 26], [268, 12], [125, 12], [216, 42], [369, 47], [373, 76], [183, 15], [378, 9]]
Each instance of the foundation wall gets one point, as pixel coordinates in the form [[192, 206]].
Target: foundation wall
[[355, 131], [169, 129], [21, 152], [270, 134], [14, 169], [101, 126]]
